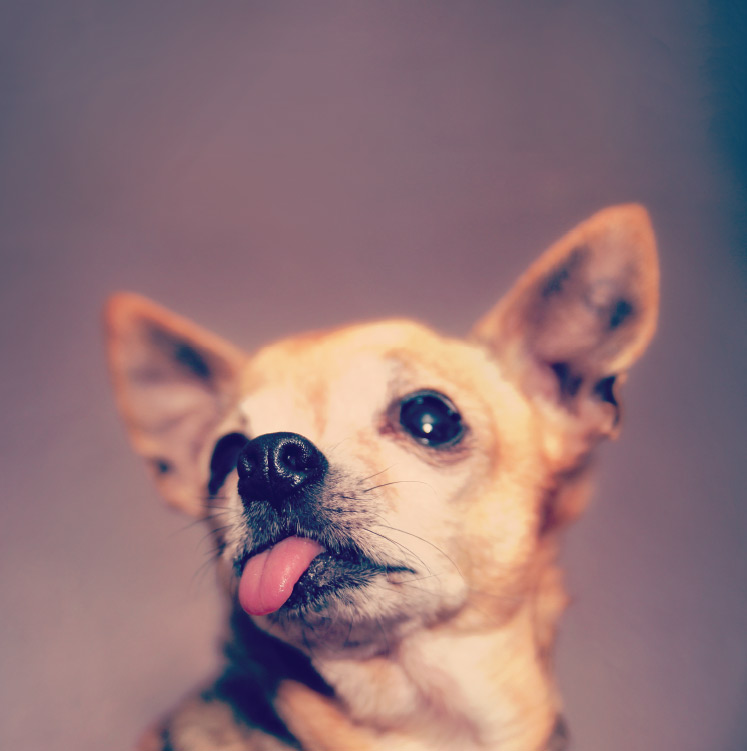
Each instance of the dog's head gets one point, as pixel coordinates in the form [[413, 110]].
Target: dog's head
[[378, 478]]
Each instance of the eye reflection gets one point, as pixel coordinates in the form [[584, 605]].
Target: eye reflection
[[431, 418]]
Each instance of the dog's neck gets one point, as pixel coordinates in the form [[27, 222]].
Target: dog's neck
[[484, 689]]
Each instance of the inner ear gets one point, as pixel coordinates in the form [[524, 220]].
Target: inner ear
[[183, 354], [581, 315], [174, 382]]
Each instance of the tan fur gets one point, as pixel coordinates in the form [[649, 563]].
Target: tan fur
[[459, 657]]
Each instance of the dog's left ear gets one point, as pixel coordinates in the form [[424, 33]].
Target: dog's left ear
[[174, 381], [575, 322]]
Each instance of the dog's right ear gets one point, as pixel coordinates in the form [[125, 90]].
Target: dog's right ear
[[174, 381]]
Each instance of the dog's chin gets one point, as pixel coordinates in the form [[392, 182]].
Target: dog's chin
[[347, 603], [333, 581]]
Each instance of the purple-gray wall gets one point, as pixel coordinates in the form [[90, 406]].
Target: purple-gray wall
[[270, 167]]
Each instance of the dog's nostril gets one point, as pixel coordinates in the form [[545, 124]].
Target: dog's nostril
[[292, 457], [296, 461]]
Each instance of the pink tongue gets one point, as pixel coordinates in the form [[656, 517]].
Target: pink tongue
[[269, 577]]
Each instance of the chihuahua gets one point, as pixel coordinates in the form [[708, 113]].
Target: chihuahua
[[385, 502]]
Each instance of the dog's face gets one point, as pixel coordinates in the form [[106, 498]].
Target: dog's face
[[373, 442], [380, 478]]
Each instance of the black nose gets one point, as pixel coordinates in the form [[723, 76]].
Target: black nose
[[273, 466]]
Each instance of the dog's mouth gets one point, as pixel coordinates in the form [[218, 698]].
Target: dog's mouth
[[269, 577], [297, 575]]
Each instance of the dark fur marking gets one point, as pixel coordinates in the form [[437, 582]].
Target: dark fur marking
[[548, 515], [224, 458], [559, 738], [181, 352], [556, 279], [250, 705], [568, 381], [193, 360], [622, 310], [162, 466], [258, 663], [604, 389], [166, 744]]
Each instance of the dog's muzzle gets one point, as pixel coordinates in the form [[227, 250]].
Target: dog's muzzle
[[275, 466], [278, 476]]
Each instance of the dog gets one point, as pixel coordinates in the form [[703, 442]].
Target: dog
[[385, 502]]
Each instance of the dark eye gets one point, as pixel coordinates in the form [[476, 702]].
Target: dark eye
[[431, 418], [224, 459]]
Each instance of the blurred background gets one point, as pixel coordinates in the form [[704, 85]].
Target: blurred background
[[266, 168]]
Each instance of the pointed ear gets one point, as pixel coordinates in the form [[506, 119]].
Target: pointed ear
[[173, 381], [575, 322]]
